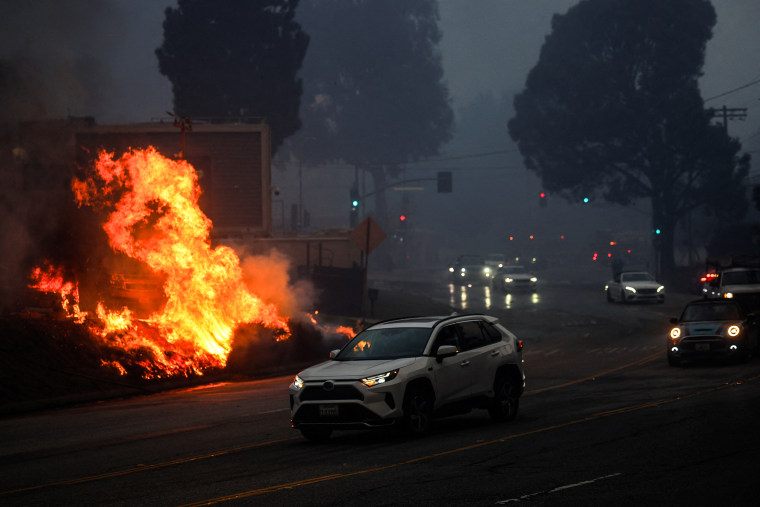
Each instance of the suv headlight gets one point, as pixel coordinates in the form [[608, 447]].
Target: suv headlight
[[661, 288], [631, 289], [675, 333], [733, 331], [297, 382], [379, 379]]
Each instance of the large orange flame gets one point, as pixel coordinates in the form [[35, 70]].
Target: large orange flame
[[155, 219]]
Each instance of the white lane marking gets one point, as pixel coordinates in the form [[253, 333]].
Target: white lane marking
[[558, 488]]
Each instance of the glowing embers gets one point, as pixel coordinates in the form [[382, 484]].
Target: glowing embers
[[50, 279]]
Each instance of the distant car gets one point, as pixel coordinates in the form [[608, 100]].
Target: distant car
[[713, 328], [514, 278], [496, 260], [470, 269], [408, 371], [634, 286], [734, 283]]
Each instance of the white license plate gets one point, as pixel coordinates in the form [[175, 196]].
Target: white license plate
[[702, 347], [328, 410]]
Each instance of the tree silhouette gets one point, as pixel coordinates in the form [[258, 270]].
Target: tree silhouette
[[235, 59], [374, 92], [613, 107]]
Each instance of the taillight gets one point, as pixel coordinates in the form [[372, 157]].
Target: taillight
[[520, 345]]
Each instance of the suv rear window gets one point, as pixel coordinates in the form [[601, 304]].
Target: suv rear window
[[474, 334]]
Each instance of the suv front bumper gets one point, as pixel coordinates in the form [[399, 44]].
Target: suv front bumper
[[345, 404]]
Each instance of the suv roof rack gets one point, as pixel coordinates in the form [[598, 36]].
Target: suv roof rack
[[438, 321]]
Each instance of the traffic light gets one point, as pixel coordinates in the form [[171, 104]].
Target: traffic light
[[354, 198], [402, 221], [355, 202], [586, 200], [542, 199]]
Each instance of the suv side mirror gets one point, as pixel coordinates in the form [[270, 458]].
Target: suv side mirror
[[334, 353], [445, 351]]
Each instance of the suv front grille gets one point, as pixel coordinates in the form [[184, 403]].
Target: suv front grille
[[339, 392], [350, 413]]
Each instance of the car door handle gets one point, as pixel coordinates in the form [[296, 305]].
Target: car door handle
[[464, 363], [495, 353]]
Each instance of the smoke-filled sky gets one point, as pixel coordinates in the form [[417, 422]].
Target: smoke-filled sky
[[96, 57]]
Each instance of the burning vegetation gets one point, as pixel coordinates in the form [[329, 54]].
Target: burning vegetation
[[162, 301]]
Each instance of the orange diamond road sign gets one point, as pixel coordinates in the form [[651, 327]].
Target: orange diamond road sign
[[367, 235]]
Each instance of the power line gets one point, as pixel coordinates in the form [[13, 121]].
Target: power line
[[751, 83], [461, 157]]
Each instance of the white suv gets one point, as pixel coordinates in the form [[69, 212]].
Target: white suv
[[407, 371]]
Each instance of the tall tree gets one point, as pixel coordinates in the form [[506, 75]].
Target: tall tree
[[613, 107], [235, 59], [374, 92]]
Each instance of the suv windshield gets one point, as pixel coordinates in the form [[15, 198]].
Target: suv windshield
[[387, 343]]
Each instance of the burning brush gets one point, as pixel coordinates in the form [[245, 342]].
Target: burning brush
[[153, 218]]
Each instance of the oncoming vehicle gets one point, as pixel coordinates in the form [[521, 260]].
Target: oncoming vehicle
[[713, 328], [470, 269], [405, 372], [515, 278], [496, 260], [734, 283], [634, 286]]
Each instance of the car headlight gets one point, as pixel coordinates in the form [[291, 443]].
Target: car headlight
[[509, 280], [728, 295], [533, 279], [661, 288], [379, 379], [675, 332], [297, 382], [631, 289], [451, 270], [733, 330], [487, 271]]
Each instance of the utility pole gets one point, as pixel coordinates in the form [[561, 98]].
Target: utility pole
[[729, 113]]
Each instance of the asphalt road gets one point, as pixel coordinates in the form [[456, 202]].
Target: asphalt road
[[604, 421]]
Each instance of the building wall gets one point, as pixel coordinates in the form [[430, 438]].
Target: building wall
[[232, 161]]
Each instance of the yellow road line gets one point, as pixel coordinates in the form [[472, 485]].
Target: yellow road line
[[638, 362], [143, 468], [593, 417], [165, 464]]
